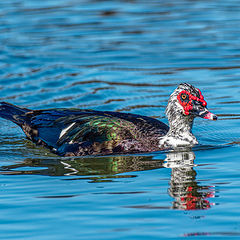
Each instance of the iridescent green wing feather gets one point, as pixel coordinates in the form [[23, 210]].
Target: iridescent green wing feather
[[97, 128]]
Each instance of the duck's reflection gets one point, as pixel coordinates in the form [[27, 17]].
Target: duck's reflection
[[188, 194], [103, 166], [186, 191]]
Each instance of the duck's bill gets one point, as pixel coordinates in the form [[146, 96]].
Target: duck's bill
[[207, 115]]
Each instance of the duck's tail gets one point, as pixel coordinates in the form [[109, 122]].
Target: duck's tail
[[13, 113]]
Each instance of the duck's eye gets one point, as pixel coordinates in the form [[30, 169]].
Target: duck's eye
[[184, 96]]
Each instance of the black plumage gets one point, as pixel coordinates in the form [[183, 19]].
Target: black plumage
[[77, 132]]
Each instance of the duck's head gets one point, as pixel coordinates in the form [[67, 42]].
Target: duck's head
[[184, 104], [189, 102]]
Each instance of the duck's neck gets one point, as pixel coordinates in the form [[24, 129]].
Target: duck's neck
[[180, 125], [180, 132]]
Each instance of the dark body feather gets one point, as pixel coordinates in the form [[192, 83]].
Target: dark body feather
[[78, 132]]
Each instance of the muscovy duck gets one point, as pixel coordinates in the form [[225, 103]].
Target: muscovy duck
[[79, 132]]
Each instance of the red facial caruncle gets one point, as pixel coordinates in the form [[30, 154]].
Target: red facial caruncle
[[185, 98]]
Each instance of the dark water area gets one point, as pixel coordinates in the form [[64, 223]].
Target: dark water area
[[125, 56]]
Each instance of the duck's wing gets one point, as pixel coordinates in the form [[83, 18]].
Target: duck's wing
[[68, 130]]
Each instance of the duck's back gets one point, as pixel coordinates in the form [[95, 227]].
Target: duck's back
[[88, 132]]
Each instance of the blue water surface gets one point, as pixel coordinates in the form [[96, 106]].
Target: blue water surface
[[124, 56]]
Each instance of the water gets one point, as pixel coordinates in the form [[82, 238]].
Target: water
[[121, 56]]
